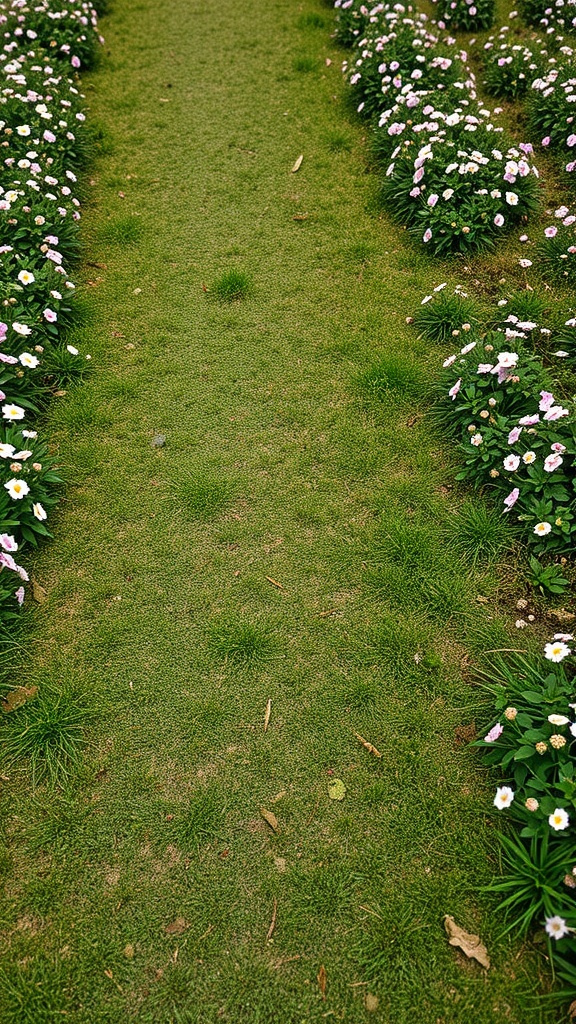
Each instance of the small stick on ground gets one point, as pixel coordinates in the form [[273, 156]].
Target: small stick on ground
[[272, 922], [369, 746], [267, 715], [275, 583]]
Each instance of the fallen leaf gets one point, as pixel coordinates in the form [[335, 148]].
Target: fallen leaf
[[267, 714], [369, 746], [177, 927], [469, 944], [371, 1002], [279, 796], [17, 697], [275, 583], [561, 615], [269, 818], [336, 789], [482, 600], [298, 164], [38, 592], [272, 922], [108, 974], [118, 334], [322, 981], [129, 951], [99, 266], [122, 195], [300, 216], [465, 734], [572, 1010]]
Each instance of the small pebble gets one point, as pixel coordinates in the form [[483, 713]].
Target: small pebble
[[158, 441]]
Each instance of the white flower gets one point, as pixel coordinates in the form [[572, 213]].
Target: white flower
[[73, 351], [556, 927], [529, 457], [39, 512], [12, 412], [27, 359], [476, 440], [504, 797], [7, 451], [556, 651], [22, 329], [541, 529], [26, 277], [512, 199], [511, 463], [558, 719], [17, 488], [559, 820]]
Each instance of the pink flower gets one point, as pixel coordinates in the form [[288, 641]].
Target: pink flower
[[427, 235], [75, 62], [8, 542], [529, 421], [49, 136], [512, 498], [494, 733], [485, 368], [546, 400], [557, 447], [50, 316], [19, 595], [556, 412], [511, 463], [552, 462], [546, 140], [551, 231], [514, 435], [498, 220], [455, 389]]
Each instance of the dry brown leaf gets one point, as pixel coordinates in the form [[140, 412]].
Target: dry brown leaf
[[369, 746], [177, 927], [300, 216], [371, 1002], [322, 981], [561, 615], [272, 922], [275, 583], [269, 818], [572, 1010], [464, 734], [469, 944], [267, 715], [298, 164], [38, 592], [129, 951], [17, 697]]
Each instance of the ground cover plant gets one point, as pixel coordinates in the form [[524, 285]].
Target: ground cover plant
[[44, 144], [280, 564]]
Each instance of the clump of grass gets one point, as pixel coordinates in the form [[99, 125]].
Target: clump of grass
[[64, 368], [48, 734], [122, 230], [438, 319], [311, 20], [338, 141], [232, 285], [242, 643], [480, 532], [326, 890], [202, 819], [392, 374], [305, 65], [202, 497], [80, 411], [526, 305]]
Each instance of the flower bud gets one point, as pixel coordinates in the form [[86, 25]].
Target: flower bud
[[510, 714], [541, 747], [531, 804], [557, 741]]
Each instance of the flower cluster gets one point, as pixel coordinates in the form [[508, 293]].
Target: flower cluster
[[451, 175], [531, 743], [551, 16], [465, 15], [511, 63], [514, 434], [44, 143]]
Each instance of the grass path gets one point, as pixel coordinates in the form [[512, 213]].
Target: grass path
[[162, 617]]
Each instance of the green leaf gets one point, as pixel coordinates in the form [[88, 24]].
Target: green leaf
[[524, 752], [336, 789]]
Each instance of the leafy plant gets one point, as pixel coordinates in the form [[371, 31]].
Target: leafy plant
[[547, 577]]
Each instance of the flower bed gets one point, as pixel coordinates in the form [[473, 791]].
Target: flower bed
[[45, 141], [451, 174]]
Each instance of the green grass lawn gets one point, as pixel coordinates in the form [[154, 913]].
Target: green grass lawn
[[295, 539]]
